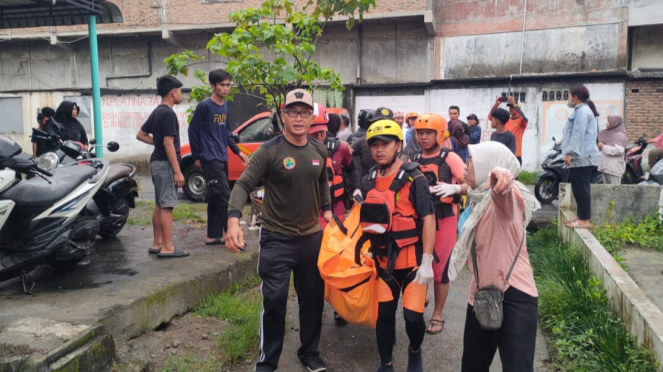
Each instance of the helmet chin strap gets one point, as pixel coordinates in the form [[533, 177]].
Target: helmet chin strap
[[382, 169]]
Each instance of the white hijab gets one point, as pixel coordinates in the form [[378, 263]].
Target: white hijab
[[485, 157]]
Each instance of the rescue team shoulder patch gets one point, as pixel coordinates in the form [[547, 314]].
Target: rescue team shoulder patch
[[289, 163]]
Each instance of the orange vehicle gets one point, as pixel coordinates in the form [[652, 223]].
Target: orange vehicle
[[249, 136]]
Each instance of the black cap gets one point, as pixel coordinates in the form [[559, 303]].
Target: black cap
[[472, 116], [382, 113]]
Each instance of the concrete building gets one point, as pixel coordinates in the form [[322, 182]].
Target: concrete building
[[414, 55]]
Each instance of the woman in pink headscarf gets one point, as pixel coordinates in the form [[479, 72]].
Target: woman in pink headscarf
[[612, 143]]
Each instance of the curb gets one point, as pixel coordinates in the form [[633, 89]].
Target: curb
[[643, 320]]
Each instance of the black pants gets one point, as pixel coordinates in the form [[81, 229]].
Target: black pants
[[218, 194], [385, 329], [279, 256], [581, 190], [515, 340]]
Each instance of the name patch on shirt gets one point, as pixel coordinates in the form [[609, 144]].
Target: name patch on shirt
[[289, 163], [316, 162]]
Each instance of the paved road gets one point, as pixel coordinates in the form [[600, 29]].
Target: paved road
[[353, 348]]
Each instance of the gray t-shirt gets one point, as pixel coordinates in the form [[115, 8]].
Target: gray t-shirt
[[507, 139]]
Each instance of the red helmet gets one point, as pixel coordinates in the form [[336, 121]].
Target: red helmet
[[320, 114]]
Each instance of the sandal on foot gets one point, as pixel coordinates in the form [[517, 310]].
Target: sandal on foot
[[174, 254], [216, 241], [434, 323], [154, 250], [576, 225]]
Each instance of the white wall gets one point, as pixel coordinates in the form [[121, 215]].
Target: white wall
[[395, 103], [546, 119]]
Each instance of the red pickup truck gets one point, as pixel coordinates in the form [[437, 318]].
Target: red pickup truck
[[250, 136]]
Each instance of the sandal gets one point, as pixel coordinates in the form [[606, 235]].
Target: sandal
[[434, 323], [216, 241], [154, 250], [576, 225], [174, 254], [570, 221]]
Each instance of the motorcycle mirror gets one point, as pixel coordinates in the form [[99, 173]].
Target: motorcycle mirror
[[93, 141], [113, 146]]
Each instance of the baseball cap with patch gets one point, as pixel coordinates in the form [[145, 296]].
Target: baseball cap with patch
[[472, 116], [382, 113], [299, 96]]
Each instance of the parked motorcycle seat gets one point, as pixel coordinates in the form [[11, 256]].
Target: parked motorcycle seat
[[118, 171], [37, 192]]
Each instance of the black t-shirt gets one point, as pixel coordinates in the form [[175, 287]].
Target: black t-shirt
[[507, 139], [162, 123]]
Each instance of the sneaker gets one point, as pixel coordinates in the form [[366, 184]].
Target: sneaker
[[414, 361], [339, 320], [315, 364], [386, 368]]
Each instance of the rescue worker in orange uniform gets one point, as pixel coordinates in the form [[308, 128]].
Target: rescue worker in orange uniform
[[339, 160], [398, 217], [444, 170]]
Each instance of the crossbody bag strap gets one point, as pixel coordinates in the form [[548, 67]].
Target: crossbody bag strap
[[473, 249], [513, 264]]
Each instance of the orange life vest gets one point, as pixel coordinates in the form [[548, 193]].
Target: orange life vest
[[389, 222], [336, 185], [438, 171]]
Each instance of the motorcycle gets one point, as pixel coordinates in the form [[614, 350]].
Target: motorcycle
[[634, 173], [111, 204], [655, 176], [43, 217], [555, 172]]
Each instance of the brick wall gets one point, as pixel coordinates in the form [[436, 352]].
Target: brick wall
[[644, 108], [138, 15]]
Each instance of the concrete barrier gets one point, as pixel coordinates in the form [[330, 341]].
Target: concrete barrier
[[615, 202], [644, 321]]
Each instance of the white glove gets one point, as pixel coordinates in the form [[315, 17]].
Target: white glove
[[425, 271], [445, 189], [357, 197]]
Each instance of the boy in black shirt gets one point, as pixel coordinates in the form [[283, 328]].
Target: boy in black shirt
[[501, 135], [162, 130]]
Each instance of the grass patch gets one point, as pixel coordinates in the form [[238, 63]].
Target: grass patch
[[646, 234], [183, 213], [585, 335], [240, 309], [528, 178]]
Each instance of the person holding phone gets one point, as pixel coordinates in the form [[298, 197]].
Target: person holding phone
[[516, 124]]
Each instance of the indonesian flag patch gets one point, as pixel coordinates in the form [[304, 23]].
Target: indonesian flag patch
[[316, 162]]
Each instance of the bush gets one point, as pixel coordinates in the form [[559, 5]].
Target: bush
[[585, 335], [646, 234]]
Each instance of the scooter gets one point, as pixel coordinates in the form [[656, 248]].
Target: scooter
[[111, 205], [654, 176], [43, 217], [555, 172], [634, 171]]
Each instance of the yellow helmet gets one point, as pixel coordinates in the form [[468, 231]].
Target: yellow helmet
[[384, 130]]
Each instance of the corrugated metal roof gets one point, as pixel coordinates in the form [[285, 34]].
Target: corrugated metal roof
[[40, 13]]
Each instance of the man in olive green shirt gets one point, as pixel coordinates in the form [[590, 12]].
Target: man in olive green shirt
[[293, 169]]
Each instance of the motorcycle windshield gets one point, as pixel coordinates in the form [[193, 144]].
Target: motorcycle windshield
[[8, 147]]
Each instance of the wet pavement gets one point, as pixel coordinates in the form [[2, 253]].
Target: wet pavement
[[116, 275], [354, 348]]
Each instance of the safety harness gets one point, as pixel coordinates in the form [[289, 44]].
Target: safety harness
[[439, 171], [336, 184], [386, 225]]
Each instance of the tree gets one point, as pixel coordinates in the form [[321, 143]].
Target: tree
[[287, 34]]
